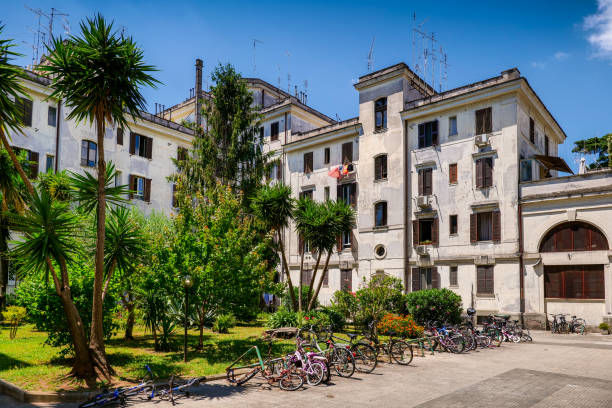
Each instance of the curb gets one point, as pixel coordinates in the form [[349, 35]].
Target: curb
[[21, 395]]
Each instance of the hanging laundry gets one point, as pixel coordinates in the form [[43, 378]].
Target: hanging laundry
[[345, 169], [335, 173]]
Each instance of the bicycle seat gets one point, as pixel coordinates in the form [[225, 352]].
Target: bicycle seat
[[352, 336], [573, 317], [515, 321]]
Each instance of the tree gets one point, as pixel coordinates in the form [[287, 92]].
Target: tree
[[341, 220], [229, 149], [600, 146], [48, 228], [12, 199], [99, 75], [274, 207]]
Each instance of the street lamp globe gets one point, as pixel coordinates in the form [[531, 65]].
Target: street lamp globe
[[187, 282]]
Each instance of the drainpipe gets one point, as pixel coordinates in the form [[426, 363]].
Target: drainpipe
[[57, 133], [198, 92], [285, 127], [521, 265], [407, 186]]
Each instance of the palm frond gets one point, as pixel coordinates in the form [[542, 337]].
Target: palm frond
[[85, 190]]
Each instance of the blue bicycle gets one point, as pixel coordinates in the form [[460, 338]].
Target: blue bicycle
[[144, 391]]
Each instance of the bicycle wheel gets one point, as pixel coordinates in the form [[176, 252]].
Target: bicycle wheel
[[315, 373], [100, 401], [563, 327], [343, 362], [240, 378], [291, 381], [483, 341], [365, 357], [143, 393], [579, 328], [459, 343], [401, 352]]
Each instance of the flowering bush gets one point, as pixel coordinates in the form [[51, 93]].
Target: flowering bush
[[403, 326], [441, 305]]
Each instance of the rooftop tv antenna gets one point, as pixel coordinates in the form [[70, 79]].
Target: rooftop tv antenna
[[38, 34], [255, 42], [54, 13], [288, 54], [371, 55]]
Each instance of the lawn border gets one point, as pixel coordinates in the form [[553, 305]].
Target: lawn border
[[21, 395]]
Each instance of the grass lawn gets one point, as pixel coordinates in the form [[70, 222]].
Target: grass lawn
[[28, 363]]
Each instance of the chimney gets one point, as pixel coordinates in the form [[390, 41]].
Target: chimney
[[198, 92]]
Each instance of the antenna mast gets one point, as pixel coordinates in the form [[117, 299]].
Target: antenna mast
[[371, 55], [255, 42]]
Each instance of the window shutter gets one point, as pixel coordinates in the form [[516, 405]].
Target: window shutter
[[496, 216], [434, 132], [435, 278], [120, 136], [147, 190], [378, 168], [421, 140], [33, 165], [488, 172], [421, 179], [347, 152], [415, 232], [300, 245], [132, 186], [279, 170], [384, 166], [435, 232], [416, 279], [132, 143], [148, 147], [480, 279], [473, 228], [353, 196], [479, 122], [339, 192], [427, 182], [452, 173], [488, 122], [27, 112], [354, 243], [339, 243], [479, 173]]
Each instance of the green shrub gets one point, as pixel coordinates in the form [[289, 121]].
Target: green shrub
[[283, 318], [441, 305], [14, 315], [286, 298], [224, 322], [604, 326], [336, 319], [317, 319], [345, 303]]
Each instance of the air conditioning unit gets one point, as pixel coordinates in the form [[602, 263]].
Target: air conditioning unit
[[423, 202], [421, 249], [481, 140]]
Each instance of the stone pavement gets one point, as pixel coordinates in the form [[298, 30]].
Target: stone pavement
[[554, 371]]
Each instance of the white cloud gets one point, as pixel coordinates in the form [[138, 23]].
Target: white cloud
[[538, 64], [556, 57], [561, 55], [600, 27]]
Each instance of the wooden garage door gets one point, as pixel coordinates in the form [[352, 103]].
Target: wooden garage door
[[574, 282]]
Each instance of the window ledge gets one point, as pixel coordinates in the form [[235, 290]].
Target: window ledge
[[380, 228], [486, 295], [382, 180], [381, 130], [453, 286], [455, 235], [453, 184]]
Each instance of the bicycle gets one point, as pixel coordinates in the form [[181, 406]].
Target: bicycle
[[312, 365], [577, 325], [144, 390], [447, 339], [168, 391], [398, 350], [364, 354], [558, 326]]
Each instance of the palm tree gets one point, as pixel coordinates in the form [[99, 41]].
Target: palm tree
[[10, 91], [341, 220], [309, 218], [99, 75], [12, 199], [48, 228], [274, 206]]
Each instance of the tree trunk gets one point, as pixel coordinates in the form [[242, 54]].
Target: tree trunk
[[286, 268], [109, 276], [3, 279], [312, 280], [83, 366], [131, 317], [315, 295], [300, 282], [201, 321], [16, 163], [155, 344], [96, 338], [610, 150]]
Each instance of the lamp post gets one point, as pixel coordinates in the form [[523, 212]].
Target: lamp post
[[187, 283]]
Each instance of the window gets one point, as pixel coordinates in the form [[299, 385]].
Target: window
[[346, 280], [546, 145], [485, 226], [181, 154], [380, 167], [25, 109], [452, 221], [425, 231], [452, 126], [380, 214], [346, 239], [261, 132], [326, 278], [428, 134], [380, 251], [32, 161], [326, 156], [452, 173], [89, 153], [483, 121], [141, 145], [531, 131], [574, 236], [347, 153], [425, 278], [306, 277], [120, 136], [526, 170], [140, 188], [574, 282], [308, 162], [326, 193], [274, 131], [484, 280], [50, 164], [484, 172], [425, 183], [307, 194], [347, 193], [117, 178], [380, 114], [52, 116], [452, 276]]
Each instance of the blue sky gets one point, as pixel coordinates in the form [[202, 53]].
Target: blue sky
[[564, 48]]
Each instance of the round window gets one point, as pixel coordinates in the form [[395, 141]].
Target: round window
[[380, 251]]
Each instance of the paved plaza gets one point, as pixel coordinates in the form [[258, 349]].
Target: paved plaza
[[554, 371]]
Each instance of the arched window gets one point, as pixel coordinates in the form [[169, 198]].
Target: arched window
[[380, 214], [574, 236], [380, 114]]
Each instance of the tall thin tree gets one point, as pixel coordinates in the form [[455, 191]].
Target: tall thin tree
[[99, 74]]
